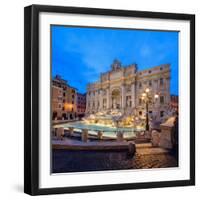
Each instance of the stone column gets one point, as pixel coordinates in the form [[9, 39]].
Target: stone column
[[84, 135], [100, 100], [120, 136], [108, 98], [60, 133], [157, 101], [71, 131], [168, 91], [100, 135], [133, 95], [96, 101], [123, 96]]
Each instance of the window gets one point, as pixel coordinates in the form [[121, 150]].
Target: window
[[149, 71], [161, 113], [140, 101], [64, 94], [161, 99], [59, 98], [140, 112], [150, 112], [161, 81], [140, 85], [150, 83]]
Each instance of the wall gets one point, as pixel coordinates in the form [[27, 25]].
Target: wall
[[11, 101]]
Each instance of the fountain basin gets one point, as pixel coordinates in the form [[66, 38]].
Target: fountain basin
[[107, 130]]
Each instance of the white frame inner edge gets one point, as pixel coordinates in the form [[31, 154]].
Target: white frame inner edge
[[48, 180]]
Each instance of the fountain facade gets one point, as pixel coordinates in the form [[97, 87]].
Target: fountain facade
[[122, 86]]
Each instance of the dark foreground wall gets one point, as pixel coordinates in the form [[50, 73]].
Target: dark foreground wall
[[79, 161]]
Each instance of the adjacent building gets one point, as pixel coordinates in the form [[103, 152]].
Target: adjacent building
[[64, 98], [81, 104], [121, 89], [174, 102]]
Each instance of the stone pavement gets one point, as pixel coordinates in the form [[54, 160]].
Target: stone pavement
[[150, 157]]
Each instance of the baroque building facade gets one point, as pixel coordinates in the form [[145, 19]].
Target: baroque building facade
[[64, 100], [121, 89]]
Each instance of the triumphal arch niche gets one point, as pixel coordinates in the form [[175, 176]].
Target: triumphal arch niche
[[116, 98]]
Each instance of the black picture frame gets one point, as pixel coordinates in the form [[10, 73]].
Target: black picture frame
[[31, 98]]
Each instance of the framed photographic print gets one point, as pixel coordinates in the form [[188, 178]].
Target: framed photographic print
[[109, 100]]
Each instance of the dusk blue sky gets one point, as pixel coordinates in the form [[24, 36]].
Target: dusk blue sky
[[80, 54]]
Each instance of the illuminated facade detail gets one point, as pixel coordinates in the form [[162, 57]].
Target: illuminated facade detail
[[64, 100], [121, 89]]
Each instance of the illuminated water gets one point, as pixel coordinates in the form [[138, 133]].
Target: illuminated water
[[94, 128]]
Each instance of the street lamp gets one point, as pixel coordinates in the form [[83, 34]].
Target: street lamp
[[156, 96], [146, 97]]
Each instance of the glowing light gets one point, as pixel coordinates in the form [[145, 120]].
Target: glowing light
[[144, 94], [147, 90], [156, 96], [68, 106]]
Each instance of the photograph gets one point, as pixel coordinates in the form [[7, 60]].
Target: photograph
[[114, 98], [109, 99]]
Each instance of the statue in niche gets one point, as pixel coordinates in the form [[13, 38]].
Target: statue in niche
[[114, 103], [103, 91]]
